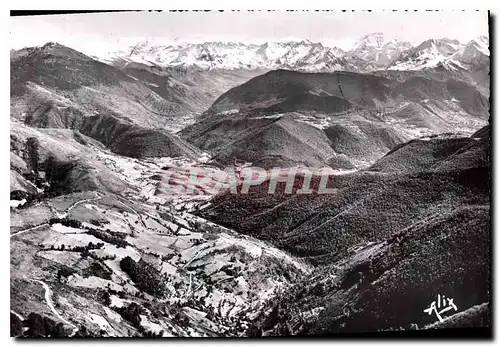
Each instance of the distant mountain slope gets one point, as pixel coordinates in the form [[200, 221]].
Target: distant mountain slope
[[55, 86], [316, 91], [56, 66], [194, 88], [344, 91], [282, 141], [363, 139], [129, 140], [438, 153]]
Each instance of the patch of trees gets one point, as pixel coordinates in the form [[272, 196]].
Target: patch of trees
[[156, 177], [181, 319], [72, 223], [195, 225], [105, 297], [151, 334], [41, 326], [280, 315], [16, 325], [231, 270], [83, 249], [196, 242], [32, 198], [104, 257], [121, 294], [167, 257], [146, 277], [117, 239], [97, 269], [96, 222], [32, 156], [65, 272], [84, 332], [56, 174], [19, 195], [35, 178], [132, 313]]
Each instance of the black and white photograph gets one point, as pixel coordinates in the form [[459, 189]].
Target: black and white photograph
[[250, 174]]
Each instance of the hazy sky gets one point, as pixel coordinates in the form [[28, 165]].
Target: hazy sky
[[110, 31]]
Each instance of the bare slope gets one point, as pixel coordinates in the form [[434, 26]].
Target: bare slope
[[281, 141]]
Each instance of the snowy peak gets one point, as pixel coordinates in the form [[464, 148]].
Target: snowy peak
[[288, 54], [49, 49], [444, 47], [480, 44], [446, 53], [140, 46], [374, 40], [484, 40], [475, 52], [376, 52]]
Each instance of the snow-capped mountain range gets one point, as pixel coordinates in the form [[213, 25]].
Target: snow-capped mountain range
[[371, 52], [303, 55], [447, 53]]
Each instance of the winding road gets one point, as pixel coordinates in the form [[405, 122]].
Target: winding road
[[98, 197], [64, 214], [20, 316], [30, 229], [51, 306]]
